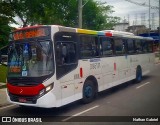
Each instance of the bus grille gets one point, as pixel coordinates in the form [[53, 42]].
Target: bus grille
[[27, 99]]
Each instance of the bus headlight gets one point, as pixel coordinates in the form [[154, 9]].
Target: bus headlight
[[46, 90], [41, 92]]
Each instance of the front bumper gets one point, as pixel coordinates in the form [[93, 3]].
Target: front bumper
[[46, 101]]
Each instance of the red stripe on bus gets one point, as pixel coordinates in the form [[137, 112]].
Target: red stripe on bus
[[81, 72], [25, 90], [109, 34], [115, 67]]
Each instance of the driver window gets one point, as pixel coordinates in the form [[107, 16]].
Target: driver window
[[66, 53]]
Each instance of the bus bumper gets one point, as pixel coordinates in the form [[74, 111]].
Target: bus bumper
[[46, 101]]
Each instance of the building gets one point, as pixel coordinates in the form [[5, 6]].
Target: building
[[121, 26], [137, 29]]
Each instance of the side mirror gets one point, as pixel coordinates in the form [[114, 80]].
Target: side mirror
[[4, 59], [3, 55]]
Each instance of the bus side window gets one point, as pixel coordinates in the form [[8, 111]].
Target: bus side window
[[66, 53], [130, 47], [138, 46], [71, 53], [144, 46], [150, 46], [89, 46], [119, 46], [106, 46]]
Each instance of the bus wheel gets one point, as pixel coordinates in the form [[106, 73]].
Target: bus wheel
[[89, 92], [138, 74]]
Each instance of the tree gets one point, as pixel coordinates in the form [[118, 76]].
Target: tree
[[96, 15], [63, 12], [5, 17]]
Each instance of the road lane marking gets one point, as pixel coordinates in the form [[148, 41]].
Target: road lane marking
[[142, 85], [66, 119], [7, 106]]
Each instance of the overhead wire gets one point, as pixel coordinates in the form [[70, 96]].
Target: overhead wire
[[142, 4]]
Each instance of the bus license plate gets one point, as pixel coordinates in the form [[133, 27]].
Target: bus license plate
[[22, 100]]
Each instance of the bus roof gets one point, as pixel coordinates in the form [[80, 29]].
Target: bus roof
[[109, 33], [114, 32]]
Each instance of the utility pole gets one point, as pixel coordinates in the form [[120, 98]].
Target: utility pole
[[149, 17], [80, 13], [143, 18], [153, 21]]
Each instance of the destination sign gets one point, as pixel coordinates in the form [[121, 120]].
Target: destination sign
[[30, 33]]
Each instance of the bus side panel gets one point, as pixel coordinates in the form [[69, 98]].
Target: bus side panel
[[122, 68], [108, 71], [91, 67], [144, 62], [133, 62]]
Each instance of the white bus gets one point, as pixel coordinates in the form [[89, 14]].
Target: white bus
[[51, 66]]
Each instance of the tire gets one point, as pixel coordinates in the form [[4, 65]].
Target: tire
[[89, 92], [138, 75]]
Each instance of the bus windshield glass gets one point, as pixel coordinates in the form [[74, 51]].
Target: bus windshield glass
[[30, 59]]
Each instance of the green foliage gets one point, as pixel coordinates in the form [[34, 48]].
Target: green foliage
[[5, 17], [96, 15], [4, 33], [62, 12], [3, 71]]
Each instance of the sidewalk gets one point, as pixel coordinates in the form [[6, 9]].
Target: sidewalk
[[157, 60], [3, 96]]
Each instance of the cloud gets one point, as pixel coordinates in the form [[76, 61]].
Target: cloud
[[123, 8]]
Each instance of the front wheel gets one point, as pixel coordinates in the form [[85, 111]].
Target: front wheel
[[89, 92]]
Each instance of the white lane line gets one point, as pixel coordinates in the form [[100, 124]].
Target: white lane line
[[7, 106], [142, 85], [66, 119]]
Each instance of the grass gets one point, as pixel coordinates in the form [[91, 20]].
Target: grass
[[3, 86], [3, 73]]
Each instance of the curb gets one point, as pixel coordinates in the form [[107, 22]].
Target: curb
[[2, 85], [4, 101], [5, 104]]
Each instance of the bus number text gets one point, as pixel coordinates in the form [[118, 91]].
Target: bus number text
[[95, 66]]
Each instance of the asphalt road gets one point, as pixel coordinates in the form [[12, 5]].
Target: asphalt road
[[129, 99]]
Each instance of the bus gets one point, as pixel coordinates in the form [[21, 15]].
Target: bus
[[51, 65]]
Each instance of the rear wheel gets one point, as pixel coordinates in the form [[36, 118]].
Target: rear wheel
[[89, 92], [138, 74]]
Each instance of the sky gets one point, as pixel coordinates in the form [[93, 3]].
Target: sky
[[134, 13]]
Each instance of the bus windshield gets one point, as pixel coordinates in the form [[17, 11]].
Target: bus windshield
[[30, 59]]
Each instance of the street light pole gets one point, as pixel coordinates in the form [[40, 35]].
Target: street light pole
[[80, 13], [149, 16]]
